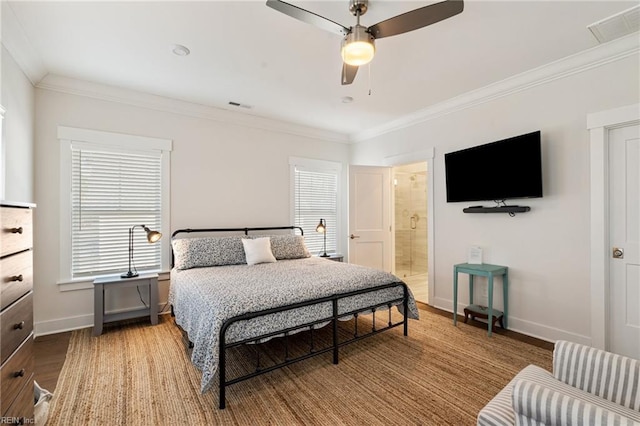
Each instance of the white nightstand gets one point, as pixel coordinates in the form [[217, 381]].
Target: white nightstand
[[100, 317]]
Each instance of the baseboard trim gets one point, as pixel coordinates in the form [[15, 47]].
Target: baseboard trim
[[61, 325], [525, 327], [44, 328]]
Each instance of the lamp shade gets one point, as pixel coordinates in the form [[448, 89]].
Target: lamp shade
[[153, 236], [358, 47], [322, 228]]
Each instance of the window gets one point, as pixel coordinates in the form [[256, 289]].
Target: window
[[110, 183], [315, 196]]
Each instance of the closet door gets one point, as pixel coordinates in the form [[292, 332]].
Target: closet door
[[624, 235]]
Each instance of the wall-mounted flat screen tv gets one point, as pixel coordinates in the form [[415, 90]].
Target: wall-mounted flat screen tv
[[509, 168]]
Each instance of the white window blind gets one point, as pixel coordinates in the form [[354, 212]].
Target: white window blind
[[315, 198], [112, 191]]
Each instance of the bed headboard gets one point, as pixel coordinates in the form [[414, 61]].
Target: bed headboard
[[245, 230]]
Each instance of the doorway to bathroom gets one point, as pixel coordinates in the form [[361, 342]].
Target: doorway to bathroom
[[410, 227]]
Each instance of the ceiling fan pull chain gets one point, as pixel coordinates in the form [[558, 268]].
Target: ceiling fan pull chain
[[369, 78]]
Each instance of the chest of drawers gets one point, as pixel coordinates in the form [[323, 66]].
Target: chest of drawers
[[16, 312]]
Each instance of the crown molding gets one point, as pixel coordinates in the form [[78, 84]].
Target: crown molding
[[160, 103], [19, 47], [574, 64]]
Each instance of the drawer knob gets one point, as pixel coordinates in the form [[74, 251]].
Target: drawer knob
[[16, 230], [17, 278], [19, 373], [18, 326]]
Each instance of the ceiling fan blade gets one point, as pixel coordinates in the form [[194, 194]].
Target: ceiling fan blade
[[348, 74], [308, 17], [417, 18]]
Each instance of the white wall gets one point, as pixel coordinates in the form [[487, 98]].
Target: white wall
[[547, 249], [227, 175], [221, 175], [18, 136]]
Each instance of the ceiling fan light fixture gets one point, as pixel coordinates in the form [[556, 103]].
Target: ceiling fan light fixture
[[358, 47], [358, 44]]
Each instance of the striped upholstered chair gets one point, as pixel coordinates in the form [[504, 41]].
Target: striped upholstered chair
[[588, 387]]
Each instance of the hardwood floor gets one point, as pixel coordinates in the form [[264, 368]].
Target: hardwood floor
[[50, 353]]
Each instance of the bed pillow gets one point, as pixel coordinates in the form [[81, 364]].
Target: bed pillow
[[288, 247], [200, 252], [258, 250]]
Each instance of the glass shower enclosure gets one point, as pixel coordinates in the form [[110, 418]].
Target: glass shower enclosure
[[410, 221]]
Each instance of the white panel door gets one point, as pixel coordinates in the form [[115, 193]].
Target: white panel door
[[624, 220], [370, 216]]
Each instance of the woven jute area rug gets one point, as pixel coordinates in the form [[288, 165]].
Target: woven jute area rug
[[139, 374]]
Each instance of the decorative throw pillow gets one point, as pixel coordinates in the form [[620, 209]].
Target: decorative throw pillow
[[258, 250], [199, 252], [288, 247]]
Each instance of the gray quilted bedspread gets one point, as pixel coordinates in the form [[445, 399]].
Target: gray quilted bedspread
[[204, 298]]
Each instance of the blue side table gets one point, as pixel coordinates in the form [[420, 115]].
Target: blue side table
[[482, 270]]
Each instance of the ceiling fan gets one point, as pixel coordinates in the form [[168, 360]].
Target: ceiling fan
[[358, 44]]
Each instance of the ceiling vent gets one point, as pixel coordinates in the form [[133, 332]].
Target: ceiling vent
[[616, 26], [239, 105]]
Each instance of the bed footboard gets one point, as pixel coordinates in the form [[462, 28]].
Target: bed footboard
[[333, 320]]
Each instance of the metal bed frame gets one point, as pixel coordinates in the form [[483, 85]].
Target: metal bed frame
[[333, 319]]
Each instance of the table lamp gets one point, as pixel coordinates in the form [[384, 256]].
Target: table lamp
[[322, 228], [152, 237]]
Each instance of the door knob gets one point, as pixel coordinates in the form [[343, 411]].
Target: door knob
[[618, 253], [354, 236]]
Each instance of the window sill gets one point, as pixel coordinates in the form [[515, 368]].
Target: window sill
[[87, 283]]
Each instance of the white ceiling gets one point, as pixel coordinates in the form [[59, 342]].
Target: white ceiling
[[287, 70]]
